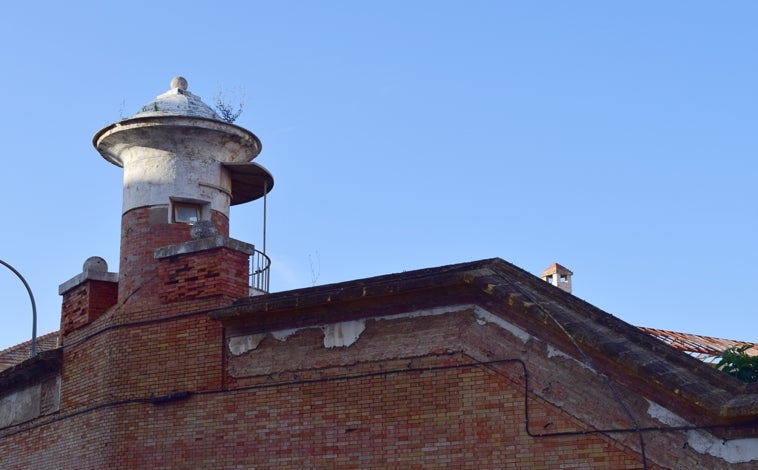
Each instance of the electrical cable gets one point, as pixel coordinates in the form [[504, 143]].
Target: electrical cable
[[148, 321], [165, 400], [588, 362]]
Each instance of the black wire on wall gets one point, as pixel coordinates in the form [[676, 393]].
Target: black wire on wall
[[176, 397], [187, 394]]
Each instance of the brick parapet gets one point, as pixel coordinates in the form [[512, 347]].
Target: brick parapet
[[345, 382], [183, 353], [121, 317], [443, 390], [578, 398], [86, 302], [453, 417], [142, 231], [218, 269]]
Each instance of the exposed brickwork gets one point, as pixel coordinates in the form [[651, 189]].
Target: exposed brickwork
[[466, 417], [86, 302], [106, 366], [220, 271], [84, 435], [554, 377], [156, 385], [142, 231]]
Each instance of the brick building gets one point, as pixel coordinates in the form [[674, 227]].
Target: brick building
[[179, 361]]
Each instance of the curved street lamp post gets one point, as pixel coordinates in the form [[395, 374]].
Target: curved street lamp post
[[34, 305]]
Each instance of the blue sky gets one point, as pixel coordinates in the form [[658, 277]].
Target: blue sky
[[616, 138]]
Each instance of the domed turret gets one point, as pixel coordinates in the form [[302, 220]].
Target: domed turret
[[182, 165]]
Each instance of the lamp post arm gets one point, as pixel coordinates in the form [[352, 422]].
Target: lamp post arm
[[34, 305]]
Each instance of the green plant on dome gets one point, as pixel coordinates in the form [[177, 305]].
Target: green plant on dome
[[226, 110]]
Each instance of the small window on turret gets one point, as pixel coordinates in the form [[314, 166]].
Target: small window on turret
[[186, 213]]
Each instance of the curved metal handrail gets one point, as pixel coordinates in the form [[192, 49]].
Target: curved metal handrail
[[260, 269], [34, 305]]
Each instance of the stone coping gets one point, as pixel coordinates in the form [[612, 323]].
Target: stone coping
[[204, 244], [87, 275]]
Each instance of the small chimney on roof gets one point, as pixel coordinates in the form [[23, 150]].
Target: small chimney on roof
[[558, 276]]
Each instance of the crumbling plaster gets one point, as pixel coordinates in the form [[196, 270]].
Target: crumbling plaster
[[30, 402], [732, 451], [344, 334], [550, 381]]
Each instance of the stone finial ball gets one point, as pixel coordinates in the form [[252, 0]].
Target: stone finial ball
[[179, 82], [95, 263]]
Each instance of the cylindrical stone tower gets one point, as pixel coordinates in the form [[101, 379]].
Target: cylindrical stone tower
[[182, 165]]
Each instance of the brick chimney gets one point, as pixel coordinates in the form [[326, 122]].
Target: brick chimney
[[87, 295], [558, 276]]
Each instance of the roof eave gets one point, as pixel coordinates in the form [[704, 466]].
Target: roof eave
[[614, 347]]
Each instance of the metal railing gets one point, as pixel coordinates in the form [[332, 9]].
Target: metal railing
[[260, 269]]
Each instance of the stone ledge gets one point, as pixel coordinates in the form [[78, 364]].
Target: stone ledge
[[44, 364], [87, 275], [204, 244]]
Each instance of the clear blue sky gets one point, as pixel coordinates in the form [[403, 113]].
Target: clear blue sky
[[616, 138]]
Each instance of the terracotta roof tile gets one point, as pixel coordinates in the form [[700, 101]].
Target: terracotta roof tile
[[19, 353], [705, 348]]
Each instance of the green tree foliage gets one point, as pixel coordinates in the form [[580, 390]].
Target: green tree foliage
[[736, 362]]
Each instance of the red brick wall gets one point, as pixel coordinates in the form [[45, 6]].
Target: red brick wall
[[466, 417], [409, 393], [86, 302], [142, 231], [148, 357], [219, 271]]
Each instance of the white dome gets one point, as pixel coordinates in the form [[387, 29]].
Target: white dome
[[177, 102]]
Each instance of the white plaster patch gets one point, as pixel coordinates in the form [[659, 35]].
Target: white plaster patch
[[282, 335], [343, 334], [482, 318], [429, 312], [486, 317], [346, 333], [555, 352], [242, 344], [732, 451], [665, 415]]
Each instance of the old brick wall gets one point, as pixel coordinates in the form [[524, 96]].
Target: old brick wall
[[568, 401], [110, 373], [447, 388], [158, 352], [220, 271], [77, 442], [142, 231], [455, 417], [86, 302]]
